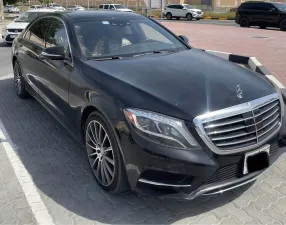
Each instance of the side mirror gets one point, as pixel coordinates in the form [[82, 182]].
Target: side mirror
[[53, 53], [184, 38]]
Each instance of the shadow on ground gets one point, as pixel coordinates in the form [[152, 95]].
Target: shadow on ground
[[59, 168], [4, 45]]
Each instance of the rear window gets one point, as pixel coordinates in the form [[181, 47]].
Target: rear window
[[100, 7]]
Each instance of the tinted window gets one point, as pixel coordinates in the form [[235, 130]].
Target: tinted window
[[266, 7], [112, 7], [106, 6], [101, 7], [257, 6], [171, 6], [37, 32], [57, 35], [246, 6], [180, 7]]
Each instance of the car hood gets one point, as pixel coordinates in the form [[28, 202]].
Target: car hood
[[183, 84], [195, 10], [17, 25]]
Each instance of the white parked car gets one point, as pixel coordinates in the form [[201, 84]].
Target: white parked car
[[76, 8], [182, 11], [11, 9], [117, 7], [10, 32], [37, 7], [56, 7]]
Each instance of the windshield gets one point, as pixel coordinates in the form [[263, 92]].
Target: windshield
[[119, 7], [280, 6], [188, 6], [27, 17], [107, 38]]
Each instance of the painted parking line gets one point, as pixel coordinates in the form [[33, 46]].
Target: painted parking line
[[30, 191]]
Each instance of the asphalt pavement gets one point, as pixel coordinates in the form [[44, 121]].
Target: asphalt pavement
[[45, 179]]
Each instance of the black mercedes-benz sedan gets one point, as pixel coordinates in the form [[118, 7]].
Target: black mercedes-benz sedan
[[151, 110]]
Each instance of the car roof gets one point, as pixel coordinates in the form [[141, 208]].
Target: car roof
[[98, 14], [257, 2]]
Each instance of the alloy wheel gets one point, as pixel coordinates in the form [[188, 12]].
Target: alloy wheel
[[100, 153], [189, 17]]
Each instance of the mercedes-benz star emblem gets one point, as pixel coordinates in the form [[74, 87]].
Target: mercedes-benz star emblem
[[239, 91]]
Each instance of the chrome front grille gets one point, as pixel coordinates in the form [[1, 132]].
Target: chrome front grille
[[241, 127]]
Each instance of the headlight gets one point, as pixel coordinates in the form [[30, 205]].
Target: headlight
[[4, 29], [161, 129]]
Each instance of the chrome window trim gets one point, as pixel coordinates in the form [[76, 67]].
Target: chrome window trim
[[44, 17], [232, 111]]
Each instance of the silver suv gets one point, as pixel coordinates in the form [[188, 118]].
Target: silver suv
[[182, 11]]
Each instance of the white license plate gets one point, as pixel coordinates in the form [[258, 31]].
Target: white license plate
[[265, 148], [13, 35]]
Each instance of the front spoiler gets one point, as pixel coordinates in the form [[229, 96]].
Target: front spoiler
[[216, 188]]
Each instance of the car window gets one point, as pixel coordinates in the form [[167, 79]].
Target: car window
[[32, 7], [100, 7], [266, 7], [170, 6], [151, 34], [124, 37], [106, 6], [180, 7], [112, 7], [37, 32], [57, 36], [256, 6]]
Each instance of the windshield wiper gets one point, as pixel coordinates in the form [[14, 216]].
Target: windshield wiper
[[154, 52], [107, 58]]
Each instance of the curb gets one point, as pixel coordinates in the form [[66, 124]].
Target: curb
[[217, 18], [252, 62]]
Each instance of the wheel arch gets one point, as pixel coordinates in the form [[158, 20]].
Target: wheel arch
[[89, 109]]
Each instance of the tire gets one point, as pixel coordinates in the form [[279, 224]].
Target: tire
[[169, 16], [282, 25], [189, 17], [19, 81], [104, 155], [244, 22]]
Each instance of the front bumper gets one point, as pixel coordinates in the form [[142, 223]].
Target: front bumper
[[9, 37], [198, 16], [183, 174]]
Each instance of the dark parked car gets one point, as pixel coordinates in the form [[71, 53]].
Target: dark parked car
[[262, 14], [149, 109]]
